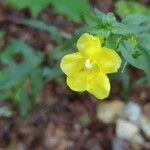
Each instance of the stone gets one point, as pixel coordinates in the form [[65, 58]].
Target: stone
[[129, 131], [126, 129], [132, 112], [144, 124], [109, 112], [119, 144]]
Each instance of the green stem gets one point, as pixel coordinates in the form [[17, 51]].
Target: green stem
[[124, 66]]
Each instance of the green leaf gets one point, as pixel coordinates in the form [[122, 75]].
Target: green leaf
[[112, 41], [62, 50], [105, 19], [15, 73], [98, 30], [126, 84], [141, 62], [70, 8], [91, 19], [124, 8], [74, 10], [131, 25], [52, 30], [144, 41], [52, 73], [5, 94], [17, 3], [99, 13], [109, 19], [35, 6], [121, 29], [127, 50], [134, 19], [37, 82], [24, 102]]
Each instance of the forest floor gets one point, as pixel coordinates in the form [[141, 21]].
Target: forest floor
[[57, 119]]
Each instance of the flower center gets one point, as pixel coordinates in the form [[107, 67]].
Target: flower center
[[88, 64]]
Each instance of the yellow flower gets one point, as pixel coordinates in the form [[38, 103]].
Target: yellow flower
[[86, 69]]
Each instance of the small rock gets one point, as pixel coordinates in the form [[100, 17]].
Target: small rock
[[132, 112], [138, 139], [108, 112], [126, 129], [120, 144], [129, 131], [144, 124]]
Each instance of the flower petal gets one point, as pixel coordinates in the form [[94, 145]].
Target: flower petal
[[78, 81], [109, 60], [88, 44], [99, 85], [72, 63]]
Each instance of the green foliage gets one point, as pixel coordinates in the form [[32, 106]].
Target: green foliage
[[124, 8], [125, 81], [52, 30], [35, 6], [141, 61], [130, 37], [20, 82], [30, 61], [70, 8]]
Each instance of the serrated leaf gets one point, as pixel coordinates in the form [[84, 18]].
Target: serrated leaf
[[91, 19], [109, 19], [134, 19], [122, 29], [127, 50], [141, 62]]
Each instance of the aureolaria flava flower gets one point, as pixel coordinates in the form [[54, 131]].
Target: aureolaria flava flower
[[86, 69]]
